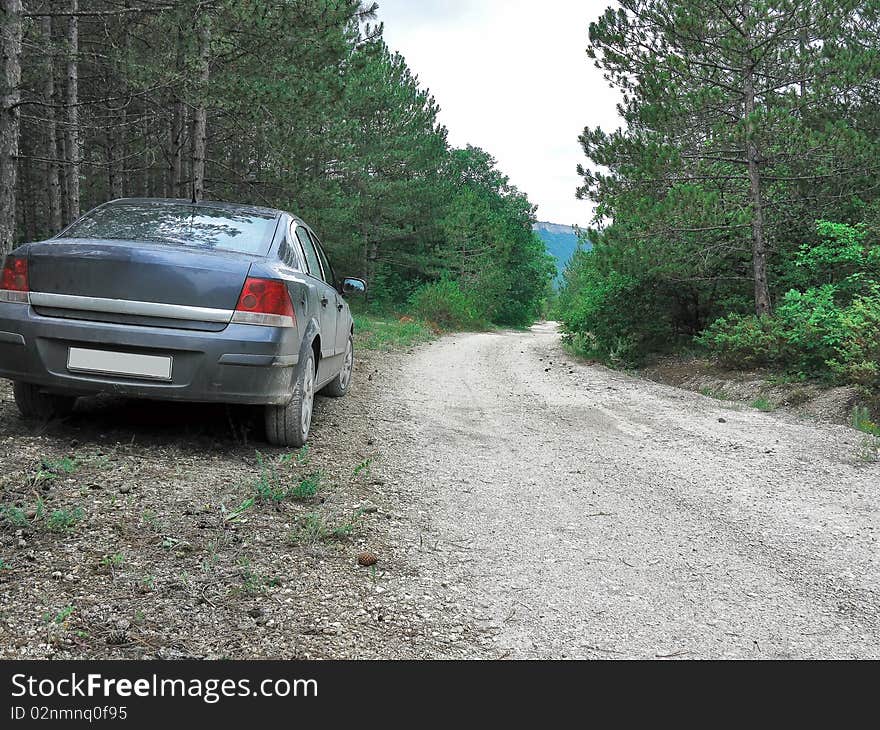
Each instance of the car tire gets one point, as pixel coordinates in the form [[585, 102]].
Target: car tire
[[289, 425], [35, 403], [339, 386]]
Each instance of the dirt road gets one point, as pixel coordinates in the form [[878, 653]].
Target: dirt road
[[520, 505], [580, 512]]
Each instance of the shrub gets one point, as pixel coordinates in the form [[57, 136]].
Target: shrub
[[857, 359], [810, 333], [746, 341], [612, 317], [448, 305]]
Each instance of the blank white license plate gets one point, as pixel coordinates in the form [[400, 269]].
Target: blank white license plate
[[119, 363]]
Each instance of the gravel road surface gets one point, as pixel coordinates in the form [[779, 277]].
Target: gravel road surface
[[573, 511], [520, 505]]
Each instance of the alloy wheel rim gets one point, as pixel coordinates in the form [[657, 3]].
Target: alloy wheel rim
[[308, 398], [345, 374]]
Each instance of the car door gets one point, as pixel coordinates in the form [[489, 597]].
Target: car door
[[343, 316], [327, 313]]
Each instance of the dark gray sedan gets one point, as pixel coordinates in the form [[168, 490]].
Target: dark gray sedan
[[170, 300]]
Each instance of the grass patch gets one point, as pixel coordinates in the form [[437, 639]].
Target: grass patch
[[762, 404], [276, 483], [58, 521], [64, 465], [389, 332], [861, 420], [12, 516], [716, 394], [312, 529], [869, 450], [253, 581], [60, 617], [64, 520]]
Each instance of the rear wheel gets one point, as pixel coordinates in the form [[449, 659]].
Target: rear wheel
[[339, 386], [34, 403], [289, 425]]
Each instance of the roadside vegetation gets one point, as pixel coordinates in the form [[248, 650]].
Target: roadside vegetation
[[174, 100], [389, 331], [737, 212]]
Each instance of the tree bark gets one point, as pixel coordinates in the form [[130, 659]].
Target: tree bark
[[200, 113], [116, 134], [50, 144], [176, 128], [10, 95], [27, 195], [72, 100], [759, 246]]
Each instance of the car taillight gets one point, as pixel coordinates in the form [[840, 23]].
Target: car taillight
[[265, 302], [14, 281]]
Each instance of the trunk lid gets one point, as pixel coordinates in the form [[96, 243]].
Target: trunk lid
[[135, 271]]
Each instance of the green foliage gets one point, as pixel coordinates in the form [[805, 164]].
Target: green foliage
[[813, 333], [306, 488], [234, 514], [830, 329], [312, 528], [277, 483], [699, 198], [64, 520], [611, 316], [60, 617], [447, 305], [762, 404], [389, 332], [716, 394], [862, 421], [869, 450], [490, 250], [12, 516], [308, 110]]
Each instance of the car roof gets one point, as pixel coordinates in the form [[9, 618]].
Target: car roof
[[215, 204]]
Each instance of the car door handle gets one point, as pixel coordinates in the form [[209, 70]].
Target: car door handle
[[339, 307], [324, 302]]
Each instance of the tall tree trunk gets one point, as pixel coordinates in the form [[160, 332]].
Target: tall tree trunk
[[27, 196], [176, 129], [117, 152], [759, 246], [118, 133], [200, 113], [146, 188], [72, 100], [10, 95], [63, 169], [50, 145]]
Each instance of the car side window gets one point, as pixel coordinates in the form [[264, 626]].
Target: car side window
[[285, 254], [288, 251], [309, 251], [325, 264]]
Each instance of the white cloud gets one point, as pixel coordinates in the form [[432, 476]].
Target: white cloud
[[512, 77]]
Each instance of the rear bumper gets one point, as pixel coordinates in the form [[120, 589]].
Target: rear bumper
[[241, 364]]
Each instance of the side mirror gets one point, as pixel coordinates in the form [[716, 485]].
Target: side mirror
[[353, 287]]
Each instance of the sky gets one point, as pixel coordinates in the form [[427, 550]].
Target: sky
[[512, 77]]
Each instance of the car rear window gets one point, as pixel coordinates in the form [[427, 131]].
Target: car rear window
[[179, 225]]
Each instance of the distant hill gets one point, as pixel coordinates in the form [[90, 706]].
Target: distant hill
[[561, 242]]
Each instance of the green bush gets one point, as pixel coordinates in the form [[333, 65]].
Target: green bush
[[812, 333], [612, 317], [449, 306], [858, 352], [827, 327], [739, 341]]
